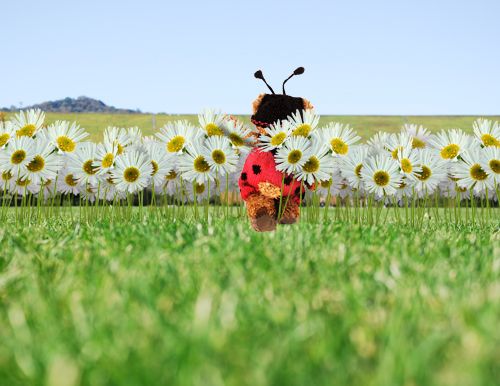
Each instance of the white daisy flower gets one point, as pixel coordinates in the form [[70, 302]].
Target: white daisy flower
[[22, 186], [173, 183], [381, 176], [276, 135], [105, 156], [134, 135], [65, 136], [28, 123], [331, 185], [67, 183], [220, 155], [487, 133], [161, 162], [6, 179], [433, 171], [293, 155], [318, 167], [88, 193], [176, 136], [238, 133], [117, 136], [408, 159], [107, 190], [490, 162], [303, 122], [17, 155], [198, 191], [194, 166], [451, 143], [339, 137], [352, 164], [377, 143], [45, 164], [80, 163], [405, 189], [132, 172], [470, 174], [420, 136], [6, 132], [212, 122], [398, 142]]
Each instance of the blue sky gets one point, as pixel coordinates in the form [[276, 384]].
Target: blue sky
[[361, 57]]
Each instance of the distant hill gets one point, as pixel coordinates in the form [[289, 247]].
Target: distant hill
[[81, 104]]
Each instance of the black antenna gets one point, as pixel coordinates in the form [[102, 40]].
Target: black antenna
[[298, 71], [259, 75]]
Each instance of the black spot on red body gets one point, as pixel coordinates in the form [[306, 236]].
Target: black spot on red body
[[297, 191], [288, 180], [256, 169], [244, 176]]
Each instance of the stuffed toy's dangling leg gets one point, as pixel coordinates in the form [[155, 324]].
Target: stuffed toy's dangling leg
[[290, 213], [262, 212]]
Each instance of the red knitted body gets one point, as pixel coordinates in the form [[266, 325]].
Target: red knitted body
[[261, 167]]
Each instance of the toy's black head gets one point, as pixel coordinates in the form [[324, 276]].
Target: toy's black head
[[269, 108]]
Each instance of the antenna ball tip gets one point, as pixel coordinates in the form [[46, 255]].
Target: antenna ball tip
[[258, 74], [299, 71]]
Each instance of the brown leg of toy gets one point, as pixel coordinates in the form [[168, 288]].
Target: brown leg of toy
[[262, 213], [291, 213]]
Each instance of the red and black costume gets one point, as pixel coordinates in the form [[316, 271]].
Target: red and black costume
[[262, 186]]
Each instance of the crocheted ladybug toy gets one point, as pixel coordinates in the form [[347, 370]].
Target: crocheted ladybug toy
[[261, 185]]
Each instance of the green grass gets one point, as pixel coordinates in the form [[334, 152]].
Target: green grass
[[153, 302], [365, 125]]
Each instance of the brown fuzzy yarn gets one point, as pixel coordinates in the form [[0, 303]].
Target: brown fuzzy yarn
[[256, 202], [269, 190], [291, 213]]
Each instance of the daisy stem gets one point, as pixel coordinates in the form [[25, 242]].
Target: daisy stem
[[327, 203], [281, 196]]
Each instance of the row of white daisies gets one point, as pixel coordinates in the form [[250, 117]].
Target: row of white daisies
[[189, 161]]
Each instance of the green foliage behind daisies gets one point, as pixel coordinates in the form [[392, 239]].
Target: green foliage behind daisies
[[157, 303]]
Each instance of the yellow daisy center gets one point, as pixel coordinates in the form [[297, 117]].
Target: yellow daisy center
[[495, 165], [200, 165], [302, 130], [199, 188], [450, 151], [119, 149], [26, 131], [6, 176], [171, 176], [18, 156], [417, 143], [131, 174], [108, 160], [477, 173], [312, 165], [22, 182], [88, 168], [65, 144], [357, 170], [219, 157], [4, 138], [381, 178], [70, 181], [154, 164], [176, 144], [394, 153], [277, 139], [326, 183], [236, 140], [339, 146], [294, 156], [213, 129], [425, 174], [489, 140], [37, 164], [406, 165]]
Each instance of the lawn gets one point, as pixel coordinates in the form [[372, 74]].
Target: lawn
[[155, 301], [366, 126]]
